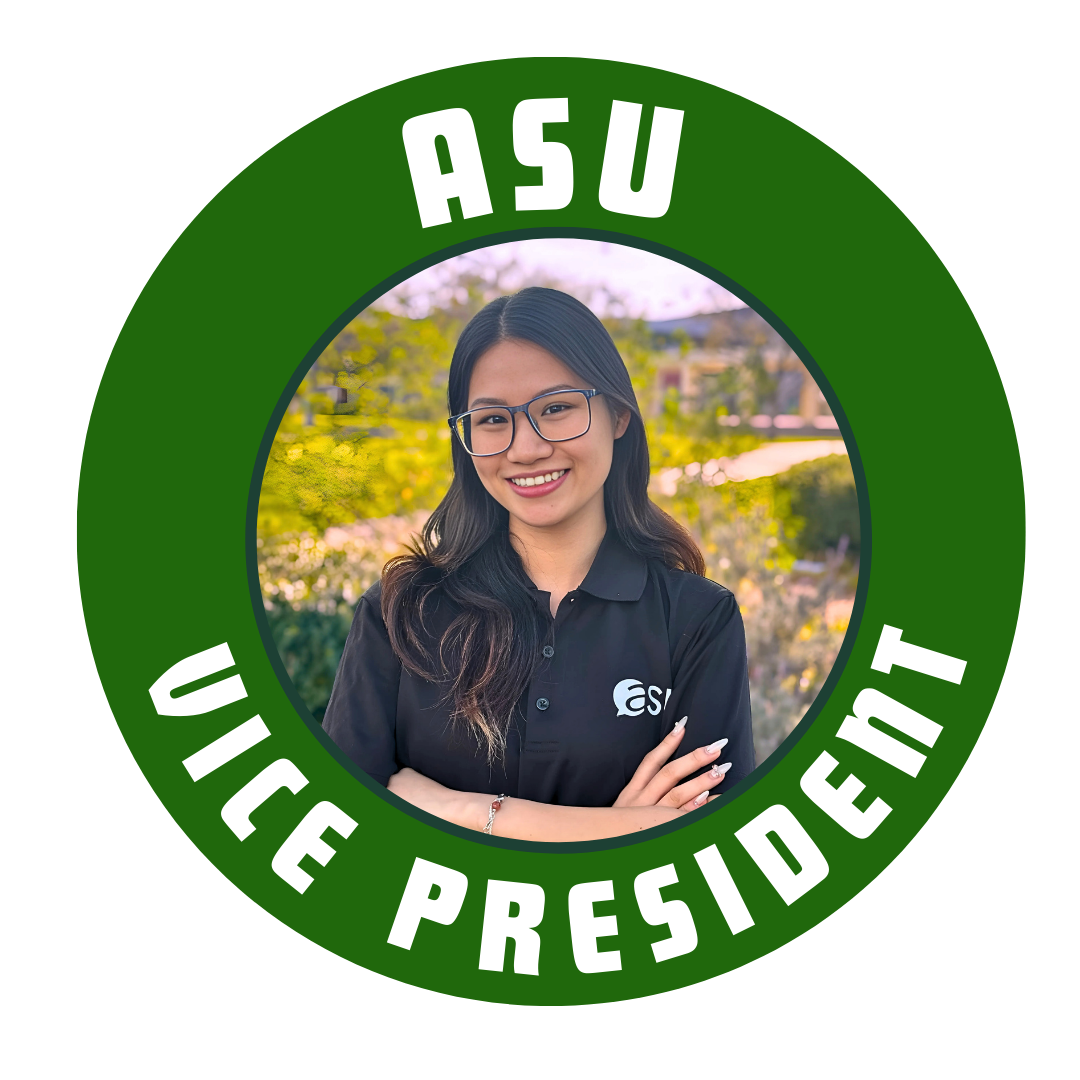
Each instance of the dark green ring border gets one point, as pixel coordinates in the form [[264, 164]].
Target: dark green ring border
[[626, 240]]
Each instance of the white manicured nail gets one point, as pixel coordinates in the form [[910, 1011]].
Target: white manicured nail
[[718, 770], [718, 745], [680, 725], [701, 798]]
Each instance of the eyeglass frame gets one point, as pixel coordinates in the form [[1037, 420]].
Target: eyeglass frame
[[513, 409]]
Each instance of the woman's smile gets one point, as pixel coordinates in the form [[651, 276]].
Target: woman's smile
[[534, 485]]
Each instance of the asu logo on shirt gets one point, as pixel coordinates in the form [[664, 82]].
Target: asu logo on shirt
[[631, 699]]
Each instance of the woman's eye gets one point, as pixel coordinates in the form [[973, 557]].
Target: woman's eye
[[492, 420], [556, 408]]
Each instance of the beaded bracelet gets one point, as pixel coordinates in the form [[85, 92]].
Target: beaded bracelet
[[492, 812]]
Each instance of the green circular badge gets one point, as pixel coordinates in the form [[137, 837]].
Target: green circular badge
[[444, 164]]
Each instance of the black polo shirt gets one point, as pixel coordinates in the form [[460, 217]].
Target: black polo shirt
[[635, 647]]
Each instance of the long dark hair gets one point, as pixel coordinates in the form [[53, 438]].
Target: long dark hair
[[490, 651]]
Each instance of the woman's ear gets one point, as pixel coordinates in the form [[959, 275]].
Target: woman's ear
[[622, 422]]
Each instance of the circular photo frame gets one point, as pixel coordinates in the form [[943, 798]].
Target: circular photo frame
[[445, 164]]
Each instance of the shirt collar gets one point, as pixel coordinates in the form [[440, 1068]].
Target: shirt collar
[[616, 572]]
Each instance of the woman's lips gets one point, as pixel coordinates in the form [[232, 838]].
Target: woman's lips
[[538, 490]]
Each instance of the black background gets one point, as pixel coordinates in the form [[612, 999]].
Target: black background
[[931, 144]]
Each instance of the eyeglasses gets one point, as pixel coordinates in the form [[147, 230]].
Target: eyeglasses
[[558, 416]]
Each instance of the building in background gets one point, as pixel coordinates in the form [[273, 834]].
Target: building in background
[[737, 363]]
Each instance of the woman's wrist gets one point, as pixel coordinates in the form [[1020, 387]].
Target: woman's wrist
[[471, 810]]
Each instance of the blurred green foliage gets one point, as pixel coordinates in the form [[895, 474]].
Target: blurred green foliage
[[822, 506], [383, 451], [310, 641]]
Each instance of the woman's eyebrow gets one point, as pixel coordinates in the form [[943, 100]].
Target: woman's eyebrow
[[501, 401]]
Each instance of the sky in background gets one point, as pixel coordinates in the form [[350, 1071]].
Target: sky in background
[[611, 278]]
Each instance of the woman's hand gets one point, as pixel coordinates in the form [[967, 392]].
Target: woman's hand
[[657, 784], [465, 808]]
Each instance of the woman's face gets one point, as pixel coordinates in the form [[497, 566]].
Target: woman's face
[[511, 373]]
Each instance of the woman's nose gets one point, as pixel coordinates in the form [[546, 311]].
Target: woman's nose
[[526, 444]]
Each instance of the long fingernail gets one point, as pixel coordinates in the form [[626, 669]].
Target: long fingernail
[[701, 798], [712, 748], [679, 725], [718, 770]]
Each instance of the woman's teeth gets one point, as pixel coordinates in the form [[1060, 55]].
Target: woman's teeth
[[533, 481]]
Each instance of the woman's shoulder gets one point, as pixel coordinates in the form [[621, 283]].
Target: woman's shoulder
[[417, 573], [371, 599], [371, 602], [690, 586], [691, 597], [369, 607]]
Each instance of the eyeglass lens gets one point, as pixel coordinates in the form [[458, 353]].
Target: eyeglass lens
[[558, 417]]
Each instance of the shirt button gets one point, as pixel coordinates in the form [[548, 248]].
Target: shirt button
[[542, 703], [549, 651]]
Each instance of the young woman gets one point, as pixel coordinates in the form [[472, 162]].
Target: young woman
[[533, 653]]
